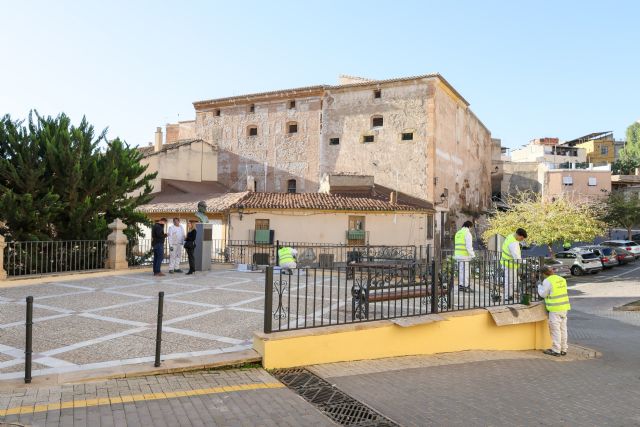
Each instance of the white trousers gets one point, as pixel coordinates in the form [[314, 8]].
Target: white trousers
[[558, 330], [463, 270], [510, 281], [292, 264], [175, 255]]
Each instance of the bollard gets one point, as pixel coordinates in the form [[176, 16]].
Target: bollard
[[159, 328], [29, 344]]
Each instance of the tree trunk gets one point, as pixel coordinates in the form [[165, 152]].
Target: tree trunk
[[629, 232], [551, 254]]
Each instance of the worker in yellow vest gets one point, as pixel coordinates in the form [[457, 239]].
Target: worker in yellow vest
[[554, 291], [510, 258], [287, 257], [463, 253]]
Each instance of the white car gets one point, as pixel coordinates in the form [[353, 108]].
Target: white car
[[628, 245], [580, 262]]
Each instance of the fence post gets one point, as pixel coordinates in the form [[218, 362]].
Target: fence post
[[415, 253], [29, 342], [277, 252], [268, 300], [117, 246], [159, 328], [434, 287], [3, 273]]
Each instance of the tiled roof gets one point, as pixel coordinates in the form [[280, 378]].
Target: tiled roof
[[249, 97], [150, 150], [324, 201], [183, 196]]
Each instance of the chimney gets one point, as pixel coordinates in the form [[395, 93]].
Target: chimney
[[158, 145], [393, 197], [251, 184]]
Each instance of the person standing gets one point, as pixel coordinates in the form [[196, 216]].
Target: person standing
[[510, 258], [556, 299], [157, 243], [463, 253], [176, 240], [190, 245]]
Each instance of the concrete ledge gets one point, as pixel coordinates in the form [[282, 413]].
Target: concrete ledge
[[518, 313], [450, 332], [139, 370]]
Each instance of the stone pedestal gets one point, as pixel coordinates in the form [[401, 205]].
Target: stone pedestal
[[117, 246], [204, 240], [3, 273]]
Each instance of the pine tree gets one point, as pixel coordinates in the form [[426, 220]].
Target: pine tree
[[59, 181]]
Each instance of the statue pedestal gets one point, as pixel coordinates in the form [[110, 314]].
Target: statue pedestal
[[202, 254]]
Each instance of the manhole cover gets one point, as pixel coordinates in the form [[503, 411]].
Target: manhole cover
[[337, 405]]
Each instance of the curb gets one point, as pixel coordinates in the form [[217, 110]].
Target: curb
[[170, 366]]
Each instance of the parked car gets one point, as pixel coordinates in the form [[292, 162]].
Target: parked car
[[636, 237], [560, 269], [608, 255], [624, 256], [580, 262], [628, 245]]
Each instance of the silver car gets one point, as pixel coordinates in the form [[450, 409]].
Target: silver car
[[580, 262], [628, 245], [608, 255]]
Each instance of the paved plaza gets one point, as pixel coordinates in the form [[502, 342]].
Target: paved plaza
[[109, 321]]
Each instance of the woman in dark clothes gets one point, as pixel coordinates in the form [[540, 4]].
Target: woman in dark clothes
[[190, 245]]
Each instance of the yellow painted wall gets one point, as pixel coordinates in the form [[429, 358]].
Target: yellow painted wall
[[594, 154], [470, 330]]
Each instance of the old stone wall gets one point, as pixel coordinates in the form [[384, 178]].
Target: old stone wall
[[288, 156], [519, 177], [180, 130], [348, 115], [463, 156]]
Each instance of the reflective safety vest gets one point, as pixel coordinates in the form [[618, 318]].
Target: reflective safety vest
[[460, 244], [558, 299], [506, 258], [285, 255]]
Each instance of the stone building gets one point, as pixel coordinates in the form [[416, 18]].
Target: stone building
[[416, 134]]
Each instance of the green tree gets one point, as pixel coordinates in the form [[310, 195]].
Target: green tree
[[547, 221], [630, 155], [623, 210], [56, 182]]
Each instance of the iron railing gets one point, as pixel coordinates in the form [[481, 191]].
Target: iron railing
[[140, 253], [367, 291], [46, 257]]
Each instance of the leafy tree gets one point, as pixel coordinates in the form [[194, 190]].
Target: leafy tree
[[630, 154], [57, 183], [547, 221], [623, 210]]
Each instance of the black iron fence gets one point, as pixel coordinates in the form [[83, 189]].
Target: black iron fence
[[46, 257], [367, 291]]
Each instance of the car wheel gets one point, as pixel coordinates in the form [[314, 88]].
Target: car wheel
[[595, 272], [576, 271]]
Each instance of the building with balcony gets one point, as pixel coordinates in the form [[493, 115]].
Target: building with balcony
[[601, 149]]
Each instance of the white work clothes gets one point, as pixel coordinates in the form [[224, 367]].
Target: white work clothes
[[463, 261], [557, 321], [175, 236], [511, 274]]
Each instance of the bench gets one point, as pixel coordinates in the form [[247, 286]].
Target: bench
[[384, 282]]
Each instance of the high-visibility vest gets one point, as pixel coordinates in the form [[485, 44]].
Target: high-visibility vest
[[558, 299], [460, 243], [285, 255], [506, 258]]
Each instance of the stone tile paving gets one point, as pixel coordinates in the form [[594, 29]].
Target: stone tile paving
[[107, 321], [248, 397]]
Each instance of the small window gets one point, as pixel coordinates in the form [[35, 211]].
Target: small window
[[377, 122], [217, 113], [567, 180], [604, 150], [407, 136], [292, 127], [262, 224], [292, 104], [252, 130], [334, 141], [252, 108], [291, 186], [367, 138], [377, 93], [593, 181]]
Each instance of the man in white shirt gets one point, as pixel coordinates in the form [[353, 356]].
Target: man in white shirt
[[464, 253], [175, 235], [510, 258], [556, 299]]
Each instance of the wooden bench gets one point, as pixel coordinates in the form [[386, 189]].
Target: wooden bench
[[383, 282]]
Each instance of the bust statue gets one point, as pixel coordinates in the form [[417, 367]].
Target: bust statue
[[201, 213]]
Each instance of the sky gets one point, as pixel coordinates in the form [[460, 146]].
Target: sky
[[541, 69]]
